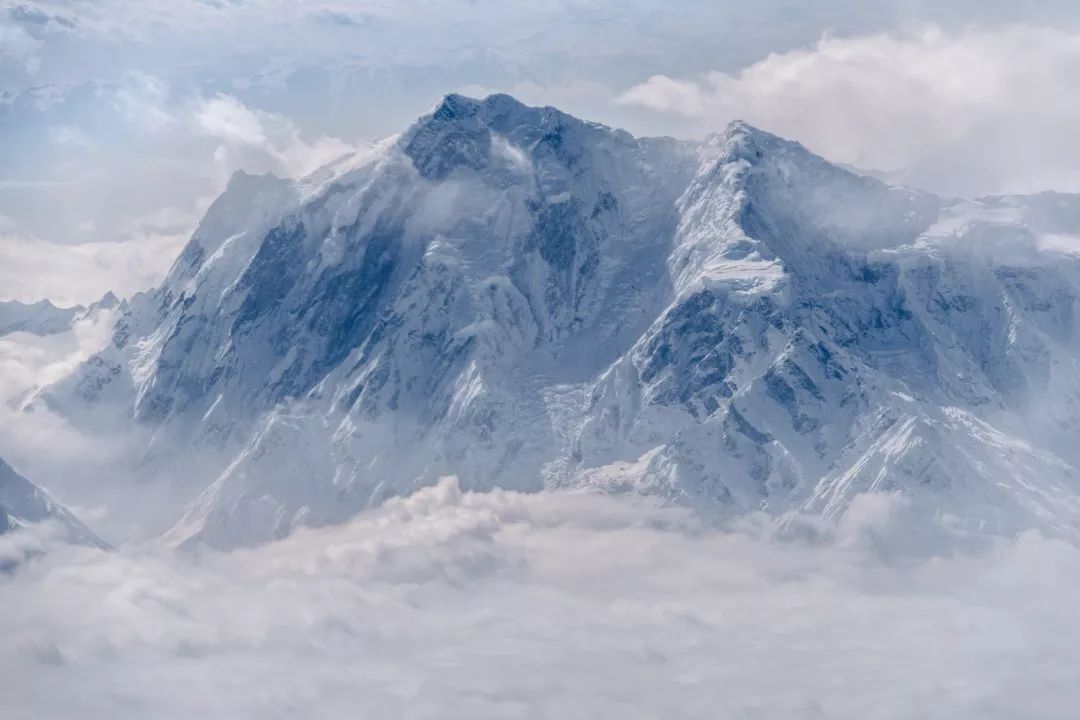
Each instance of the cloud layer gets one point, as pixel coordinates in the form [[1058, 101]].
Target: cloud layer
[[68, 275], [450, 605]]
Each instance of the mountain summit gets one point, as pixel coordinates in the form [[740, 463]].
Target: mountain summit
[[528, 300]]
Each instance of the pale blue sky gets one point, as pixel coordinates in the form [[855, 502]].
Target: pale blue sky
[[119, 121]]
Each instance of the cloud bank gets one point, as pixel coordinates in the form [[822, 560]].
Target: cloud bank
[[451, 605], [88, 472], [966, 112], [32, 269]]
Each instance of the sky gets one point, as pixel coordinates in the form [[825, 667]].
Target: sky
[[120, 121]]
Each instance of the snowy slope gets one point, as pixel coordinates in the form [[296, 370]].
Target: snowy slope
[[23, 503], [528, 300]]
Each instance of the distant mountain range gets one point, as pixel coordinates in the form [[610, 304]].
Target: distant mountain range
[[44, 318]]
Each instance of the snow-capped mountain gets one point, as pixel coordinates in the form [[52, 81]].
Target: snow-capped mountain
[[40, 318], [23, 503], [44, 318], [527, 300]]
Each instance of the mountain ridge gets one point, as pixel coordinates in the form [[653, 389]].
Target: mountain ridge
[[44, 318], [529, 300]]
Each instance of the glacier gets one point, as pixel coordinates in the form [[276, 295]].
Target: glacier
[[530, 301]]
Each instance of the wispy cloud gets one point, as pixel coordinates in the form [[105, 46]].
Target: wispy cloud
[[33, 269], [241, 130]]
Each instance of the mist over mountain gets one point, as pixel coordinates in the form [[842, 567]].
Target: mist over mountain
[[24, 504]]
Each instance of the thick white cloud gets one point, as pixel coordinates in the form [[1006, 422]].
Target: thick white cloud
[[976, 111], [451, 605], [256, 141], [229, 119], [32, 269]]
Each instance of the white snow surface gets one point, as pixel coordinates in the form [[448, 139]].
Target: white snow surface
[[530, 301]]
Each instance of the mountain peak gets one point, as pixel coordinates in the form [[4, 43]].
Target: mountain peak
[[108, 301], [458, 132], [741, 127], [243, 181], [455, 105], [742, 141]]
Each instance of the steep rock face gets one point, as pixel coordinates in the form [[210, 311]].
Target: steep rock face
[[529, 300]]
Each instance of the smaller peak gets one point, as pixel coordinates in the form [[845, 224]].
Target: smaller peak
[[735, 130], [238, 177], [107, 301], [243, 192], [243, 180], [742, 141], [742, 131], [740, 127]]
